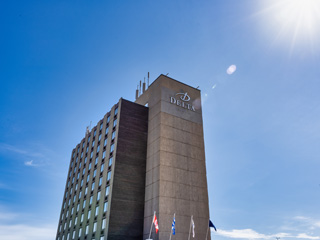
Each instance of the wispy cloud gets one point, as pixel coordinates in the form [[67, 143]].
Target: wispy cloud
[[29, 156], [10, 229], [311, 223], [252, 234], [305, 236], [26, 232], [30, 163]]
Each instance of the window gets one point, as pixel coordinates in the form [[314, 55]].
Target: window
[[83, 171], [89, 166], [87, 229], [116, 111], [93, 143], [78, 176], [94, 172], [94, 133], [101, 125], [79, 195], [63, 237], [73, 234], [114, 122], [98, 148], [65, 226], [67, 214], [111, 148], [100, 181], [70, 222], [76, 221], [69, 202], [89, 214], [102, 238], [73, 154], [97, 211], [105, 207], [101, 167], [76, 186], [73, 180], [78, 207], [81, 184], [81, 219], [72, 209], [60, 227], [68, 236], [94, 226], [103, 154], [105, 142], [107, 190], [71, 191], [113, 135], [109, 176], [85, 160], [104, 223], [83, 145], [78, 149], [96, 162], [75, 169], [76, 159], [99, 137], [98, 196], [74, 198], [88, 177], [92, 186], [87, 149], [86, 191], [81, 154], [79, 165], [80, 232], [110, 161], [62, 216], [108, 119], [90, 202], [91, 154], [84, 204], [67, 194]]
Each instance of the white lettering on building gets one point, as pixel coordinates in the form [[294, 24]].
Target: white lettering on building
[[184, 98]]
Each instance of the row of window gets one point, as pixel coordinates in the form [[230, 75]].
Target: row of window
[[95, 131], [98, 149], [71, 223]]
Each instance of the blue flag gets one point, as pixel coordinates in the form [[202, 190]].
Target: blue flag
[[211, 225], [174, 226]]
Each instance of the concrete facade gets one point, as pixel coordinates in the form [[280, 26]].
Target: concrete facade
[[176, 179], [138, 160]]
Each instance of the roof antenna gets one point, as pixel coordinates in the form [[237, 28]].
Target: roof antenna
[[167, 74], [148, 78]]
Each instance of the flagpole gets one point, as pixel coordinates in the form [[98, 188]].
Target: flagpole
[[152, 224], [190, 228], [207, 230]]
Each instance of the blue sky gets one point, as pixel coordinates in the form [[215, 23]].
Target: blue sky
[[262, 128]]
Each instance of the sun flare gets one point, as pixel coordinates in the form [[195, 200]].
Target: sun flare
[[296, 21]]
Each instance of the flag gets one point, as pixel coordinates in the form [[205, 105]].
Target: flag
[[174, 226], [211, 225], [193, 226], [155, 221]]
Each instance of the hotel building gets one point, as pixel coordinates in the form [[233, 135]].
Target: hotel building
[[143, 156]]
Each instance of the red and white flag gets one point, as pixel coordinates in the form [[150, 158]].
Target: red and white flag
[[155, 221]]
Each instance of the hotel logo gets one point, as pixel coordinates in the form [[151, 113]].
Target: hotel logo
[[183, 102]]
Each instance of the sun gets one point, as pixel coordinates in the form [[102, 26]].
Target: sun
[[295, 21]]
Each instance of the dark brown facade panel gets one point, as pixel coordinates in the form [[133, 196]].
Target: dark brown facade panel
[[127, 203]]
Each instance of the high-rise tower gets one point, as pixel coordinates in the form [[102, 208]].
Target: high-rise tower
[[141, 157]]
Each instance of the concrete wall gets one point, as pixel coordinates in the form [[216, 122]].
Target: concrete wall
[[176, 179]]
